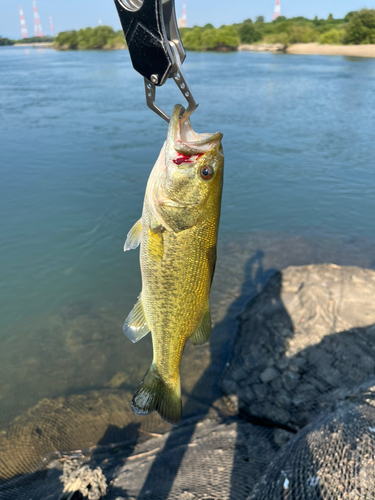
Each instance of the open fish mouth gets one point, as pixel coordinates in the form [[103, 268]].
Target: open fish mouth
[[184, 139]]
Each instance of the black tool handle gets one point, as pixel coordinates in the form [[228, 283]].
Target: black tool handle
[[148, 30]]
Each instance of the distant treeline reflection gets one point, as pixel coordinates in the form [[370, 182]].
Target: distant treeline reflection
[[357, 27]]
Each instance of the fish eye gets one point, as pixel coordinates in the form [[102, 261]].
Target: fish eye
[[206, 172]]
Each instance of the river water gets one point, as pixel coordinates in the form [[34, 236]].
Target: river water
[[77, 144]]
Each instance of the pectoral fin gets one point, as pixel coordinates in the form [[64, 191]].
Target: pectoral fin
[[134, 236], [135, 326], [203, 332]]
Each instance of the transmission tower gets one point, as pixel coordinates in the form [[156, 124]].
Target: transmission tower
[[24, 33], [276, 10], [183, 20], [51, 25], [37, 25]]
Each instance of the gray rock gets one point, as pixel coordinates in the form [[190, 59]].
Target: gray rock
[[305, 341], [269, 374], [290, 380]]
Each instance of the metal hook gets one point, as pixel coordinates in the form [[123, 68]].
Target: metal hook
[[180, 81]]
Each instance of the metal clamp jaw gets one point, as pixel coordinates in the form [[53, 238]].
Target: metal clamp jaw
[[155, 47]]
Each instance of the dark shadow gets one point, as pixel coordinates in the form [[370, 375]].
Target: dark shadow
[[274, 299], [32, 486]]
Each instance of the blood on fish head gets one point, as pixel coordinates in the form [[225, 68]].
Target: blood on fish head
[[181, 158]]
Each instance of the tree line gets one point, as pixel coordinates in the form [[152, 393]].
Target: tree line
[[5, 41], [357, 27], [101, 37]]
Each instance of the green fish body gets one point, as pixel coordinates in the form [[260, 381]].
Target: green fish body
[[177, 235]]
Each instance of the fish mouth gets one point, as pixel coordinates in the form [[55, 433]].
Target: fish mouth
[[183, 139]]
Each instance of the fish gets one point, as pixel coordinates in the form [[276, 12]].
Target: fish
[[177, 234]]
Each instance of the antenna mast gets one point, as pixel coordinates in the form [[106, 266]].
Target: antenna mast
[[276, 10], [183, 20], [24, 33], [38, 32], [51, 25]]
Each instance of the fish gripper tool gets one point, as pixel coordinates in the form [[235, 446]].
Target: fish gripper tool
[[155, 47]]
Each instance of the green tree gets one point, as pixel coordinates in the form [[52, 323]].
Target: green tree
[[36, 39], [248, 33], [350, 15], [101, 37], [279, 19], [332, 37], [5, 41], [361, 27], [259, 19], [66, 40], [225, 38], [192, 39], [302, 34]]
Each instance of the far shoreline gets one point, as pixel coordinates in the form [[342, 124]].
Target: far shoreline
[[314, 49], [367, 50], [332, 50], [35, 44]]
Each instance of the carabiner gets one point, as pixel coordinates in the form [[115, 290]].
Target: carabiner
[[155, 47]]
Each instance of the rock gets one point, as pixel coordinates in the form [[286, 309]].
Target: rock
[[305, 341], [269, 374], [281, 437]]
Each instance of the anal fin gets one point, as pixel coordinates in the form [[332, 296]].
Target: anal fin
[[134, 236], [135, 326], [203, 332]]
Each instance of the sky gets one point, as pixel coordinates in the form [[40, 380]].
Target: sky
[[76, 14]]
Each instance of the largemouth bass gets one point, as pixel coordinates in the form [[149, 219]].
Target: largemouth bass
[[177, 235]]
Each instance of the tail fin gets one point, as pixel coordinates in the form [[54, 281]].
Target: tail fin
[[155, 394]]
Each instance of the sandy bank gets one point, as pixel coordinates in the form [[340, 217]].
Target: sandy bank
[[262, 47], [332, 50], [313, 48], [38, 45]]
